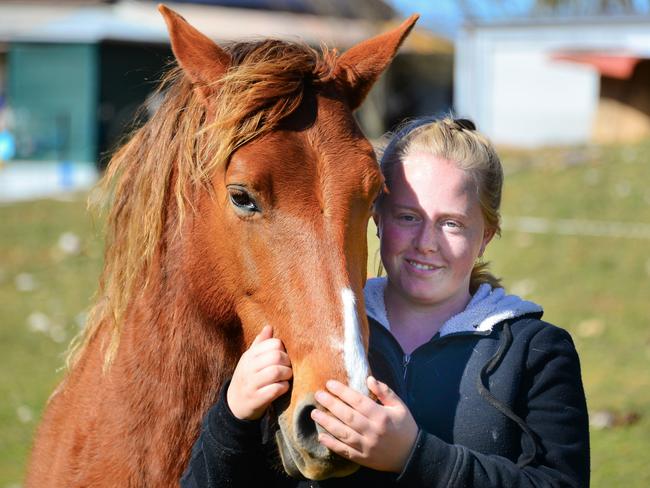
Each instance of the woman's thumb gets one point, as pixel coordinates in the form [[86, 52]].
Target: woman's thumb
[[265, 333]]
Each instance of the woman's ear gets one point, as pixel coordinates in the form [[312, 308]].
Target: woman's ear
[[376, 218], [488, 234]]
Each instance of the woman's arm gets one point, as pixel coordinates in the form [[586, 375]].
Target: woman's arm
[[229, 450], [554, 409]]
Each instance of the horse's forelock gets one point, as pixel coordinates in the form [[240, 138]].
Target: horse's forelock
[[176, 151]]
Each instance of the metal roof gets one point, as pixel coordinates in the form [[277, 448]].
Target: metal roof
[[517, 22], [356, 9]]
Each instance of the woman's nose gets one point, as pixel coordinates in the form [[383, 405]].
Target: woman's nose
[[426, 239]]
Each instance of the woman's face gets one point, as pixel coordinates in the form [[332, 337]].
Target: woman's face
[[431, 230]]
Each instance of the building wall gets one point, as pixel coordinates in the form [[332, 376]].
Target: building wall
[[413, 85], [53, 93], [507, 80], [624, 108], [3, 72], [128, 74]]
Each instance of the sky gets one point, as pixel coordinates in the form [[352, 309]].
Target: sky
[[442, 16], [446, 16]]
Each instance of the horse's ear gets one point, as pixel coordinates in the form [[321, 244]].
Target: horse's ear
[[360, 66], [201, 59]]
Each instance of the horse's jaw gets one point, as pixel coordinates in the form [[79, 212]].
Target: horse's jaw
[[301, 465], [304, 457]]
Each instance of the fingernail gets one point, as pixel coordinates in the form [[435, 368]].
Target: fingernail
[[331, 384], [320, 395]]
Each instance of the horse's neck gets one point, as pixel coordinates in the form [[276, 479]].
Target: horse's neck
[[170, 366], [167, 334], [187, 353]]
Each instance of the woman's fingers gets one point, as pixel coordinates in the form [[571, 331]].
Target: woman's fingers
[[269, 344], [265, 333], [377, 435], [273, 391], [261, 375], [347, 415], [340, 448], [338, 429], [358, 402], [270, 358], [272, 374], [384, 394]]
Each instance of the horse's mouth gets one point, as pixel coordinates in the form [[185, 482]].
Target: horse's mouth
[[301, 464], [290, 458]]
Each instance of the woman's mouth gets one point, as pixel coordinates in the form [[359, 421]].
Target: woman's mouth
[[421, 266]]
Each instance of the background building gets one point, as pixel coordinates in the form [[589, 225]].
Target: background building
[[74, 75], [550, 82]]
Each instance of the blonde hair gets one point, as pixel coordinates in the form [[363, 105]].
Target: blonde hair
[[458, 141]]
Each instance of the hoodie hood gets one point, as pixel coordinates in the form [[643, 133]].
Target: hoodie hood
[[488, 307]]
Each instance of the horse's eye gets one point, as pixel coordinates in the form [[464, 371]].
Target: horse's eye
[[242, 200]]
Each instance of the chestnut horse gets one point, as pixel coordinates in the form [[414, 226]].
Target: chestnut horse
[[243, 201]]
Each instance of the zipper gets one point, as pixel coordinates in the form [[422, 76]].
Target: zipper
[[405, 363], [406, 358]]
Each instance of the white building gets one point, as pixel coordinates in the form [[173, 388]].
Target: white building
[[533, 83]]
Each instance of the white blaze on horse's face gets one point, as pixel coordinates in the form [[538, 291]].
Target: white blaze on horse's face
[[354, 354]]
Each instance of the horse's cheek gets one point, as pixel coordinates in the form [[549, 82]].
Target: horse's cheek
[[208, 260]]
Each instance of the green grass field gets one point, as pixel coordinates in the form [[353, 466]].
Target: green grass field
[[596, 287]]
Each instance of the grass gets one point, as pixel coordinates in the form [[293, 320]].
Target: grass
[[36, 324], [596, 287]]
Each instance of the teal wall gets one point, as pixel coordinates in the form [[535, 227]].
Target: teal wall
[[53, 90]]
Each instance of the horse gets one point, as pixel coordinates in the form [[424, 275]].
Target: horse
[[243, 201]]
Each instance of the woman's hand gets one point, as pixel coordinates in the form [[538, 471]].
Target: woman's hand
[[261, 375], [378, 436]]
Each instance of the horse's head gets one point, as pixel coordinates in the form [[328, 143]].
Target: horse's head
[[279, 234]]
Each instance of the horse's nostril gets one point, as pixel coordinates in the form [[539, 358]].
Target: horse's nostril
[[305, 430], [305, 427]]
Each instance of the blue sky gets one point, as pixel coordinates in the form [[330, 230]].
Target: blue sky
[[440, 15], [445, 16]]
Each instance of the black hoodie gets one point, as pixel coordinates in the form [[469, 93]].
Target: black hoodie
[[496, 408]]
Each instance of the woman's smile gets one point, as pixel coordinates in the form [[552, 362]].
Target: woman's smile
[[422, 266]]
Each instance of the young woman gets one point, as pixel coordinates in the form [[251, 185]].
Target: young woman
[[483, 392]]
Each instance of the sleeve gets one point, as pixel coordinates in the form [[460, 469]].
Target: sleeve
[[554, 408], [229, 452]]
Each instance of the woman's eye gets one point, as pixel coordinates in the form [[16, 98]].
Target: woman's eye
[[407, 218], [452, 224], [242, 200]]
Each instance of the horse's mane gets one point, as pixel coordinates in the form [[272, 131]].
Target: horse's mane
[[176, 152]]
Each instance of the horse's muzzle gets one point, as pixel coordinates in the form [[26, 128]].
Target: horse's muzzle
[[301, 453]]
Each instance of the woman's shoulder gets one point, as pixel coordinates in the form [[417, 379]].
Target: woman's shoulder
[[534, 327], [542, 340]]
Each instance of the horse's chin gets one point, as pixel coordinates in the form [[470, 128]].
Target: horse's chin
[[300, 464]]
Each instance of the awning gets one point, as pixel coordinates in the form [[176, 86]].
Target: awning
[[615, 65]]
